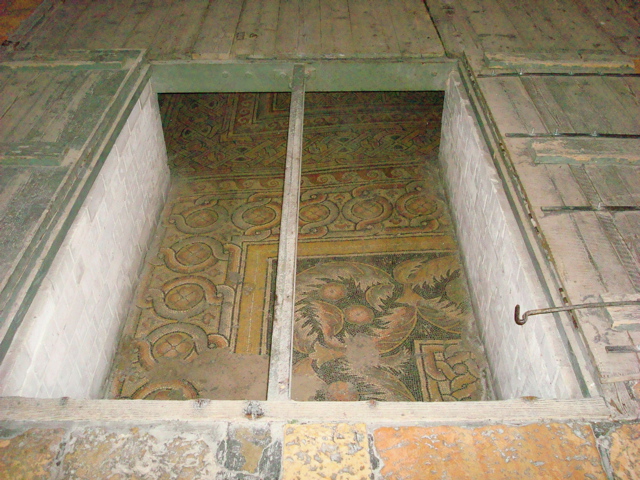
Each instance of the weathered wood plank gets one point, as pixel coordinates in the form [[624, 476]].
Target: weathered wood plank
[[54, 29], [32, 153], [614, 22], [84, 29], [626, 104], [201, 411], [609, 182], [553, 115], [218, 30], [512, 106], [310, 40], [577, 31], [248, 29], [179, 30], [625, 317], [537, 32], [601, 151], [369, 28], [63, 109], [492, 26], [581, 103], [336, 28], [415, 34], [152, 19], [558, 62], [113, 26], [455, 30], [267, 27], [288, 29], [280, 364], [27, 97], [36, 112]]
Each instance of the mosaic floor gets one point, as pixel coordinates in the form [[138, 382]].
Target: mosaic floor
[[382, 311]]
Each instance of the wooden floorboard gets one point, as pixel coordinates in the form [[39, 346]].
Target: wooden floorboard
[[53, 32], [218, 30], [310, 40], [336, 28], [288, 29], [179, 30], [151, 19]]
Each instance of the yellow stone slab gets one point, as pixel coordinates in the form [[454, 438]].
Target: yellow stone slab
[[322, 451], [540, 451], [624, 454]]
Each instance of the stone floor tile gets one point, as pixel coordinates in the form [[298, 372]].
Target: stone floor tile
[[624, 454], [29, 455], [326, 451], [161, 453], [252, 451], [540, 451]]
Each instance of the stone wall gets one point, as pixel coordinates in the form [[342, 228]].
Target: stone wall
[[67, 340], [524, 360]]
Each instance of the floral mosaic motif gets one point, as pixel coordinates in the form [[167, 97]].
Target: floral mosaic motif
[[384, 325], [356, 324]]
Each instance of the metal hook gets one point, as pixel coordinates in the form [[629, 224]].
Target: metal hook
[[525, 316]]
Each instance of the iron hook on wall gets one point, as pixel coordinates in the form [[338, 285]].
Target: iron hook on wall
[[525, 316]]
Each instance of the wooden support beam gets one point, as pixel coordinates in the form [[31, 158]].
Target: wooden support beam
[[202, 411], [282, 337]]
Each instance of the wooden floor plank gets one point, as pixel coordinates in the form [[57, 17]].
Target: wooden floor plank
[[113, 26], [614, 22], [288, 28], [32, 91], [415, 33], [492, 25], [579, 99], [150, 21], [336, 28], [83, 30], [14, 87], [551, 112], [218, 30], [247, 30], [55, 28], [60, 108], [267, 27], [372, 35], [310, 41], [179, 31], [39, 111], [626, 96], [537, 32], [576, 31], [610, 185]]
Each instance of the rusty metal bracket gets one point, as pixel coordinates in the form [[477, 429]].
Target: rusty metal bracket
[[525, 316]]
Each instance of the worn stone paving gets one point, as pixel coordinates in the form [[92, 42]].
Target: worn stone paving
[[294, 451]]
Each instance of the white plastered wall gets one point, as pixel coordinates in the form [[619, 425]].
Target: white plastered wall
[[528, 360], [66, 342]]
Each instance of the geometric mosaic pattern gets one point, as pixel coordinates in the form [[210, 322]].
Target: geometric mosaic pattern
[[382, 310]]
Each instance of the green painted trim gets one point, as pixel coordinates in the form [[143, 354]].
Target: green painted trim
[[32, 154], [270, 76], [46, 242]]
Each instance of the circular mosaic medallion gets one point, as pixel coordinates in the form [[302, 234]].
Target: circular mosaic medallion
[[201, 218], [184, 297]]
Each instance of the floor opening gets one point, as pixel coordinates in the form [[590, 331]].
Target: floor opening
[[381, 310]]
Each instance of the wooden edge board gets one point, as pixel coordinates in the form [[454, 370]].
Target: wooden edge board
[[576, 62], [598, 150], [516, 410], [282, 336]]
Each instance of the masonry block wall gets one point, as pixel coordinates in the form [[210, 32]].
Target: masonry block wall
[[65, 345], [524, 360]]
